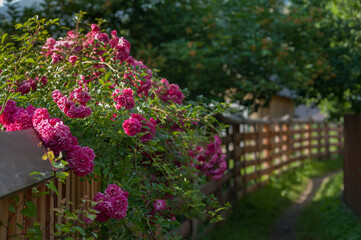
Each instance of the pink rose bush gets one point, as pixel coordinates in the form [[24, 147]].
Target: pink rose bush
[[109, 115], [210, 160]]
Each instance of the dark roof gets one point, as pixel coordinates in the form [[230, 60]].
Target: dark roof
[[304, 111], [285, 92], [20, 154]]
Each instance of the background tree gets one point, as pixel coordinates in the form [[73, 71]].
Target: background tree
[[246, 50]]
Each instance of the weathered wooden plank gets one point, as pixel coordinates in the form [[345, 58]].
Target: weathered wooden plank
[[4, 218]]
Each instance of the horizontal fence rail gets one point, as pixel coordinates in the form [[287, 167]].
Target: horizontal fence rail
[[14, 224], [259, 149], [255, 149]]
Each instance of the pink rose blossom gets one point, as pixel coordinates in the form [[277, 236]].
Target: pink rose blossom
[[169, 92], [26, 86], [159, 204], [125, 99], [80, 96], [74, 107], [52, 131], [80, 160], [112, 204], [95, 28], [73, 59], [137, 123], [16, 118], [132, 126]]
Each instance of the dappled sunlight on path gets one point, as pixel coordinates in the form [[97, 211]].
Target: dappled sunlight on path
[[284, 228]]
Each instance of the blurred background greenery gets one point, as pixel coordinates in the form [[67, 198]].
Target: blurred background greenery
[[235, 49]]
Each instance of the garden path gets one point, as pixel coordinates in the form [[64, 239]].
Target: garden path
[[284, 228]]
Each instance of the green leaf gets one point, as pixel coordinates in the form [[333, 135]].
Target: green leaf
[[30, 60], [11, 208], [4, 38], [51, 186], [79, 230], [36, 173], [30, 210], [17, 26], [107, 75]]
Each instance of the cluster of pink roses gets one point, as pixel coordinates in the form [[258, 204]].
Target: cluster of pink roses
[[211, 161], [94, 45], [75, 106], [138, 124], [112, 204], [31, 84], [143, 86], [125, 99], [72, 46], [15, 118], [52, 131], [169, 92]]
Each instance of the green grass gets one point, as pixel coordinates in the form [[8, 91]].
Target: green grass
[[253, 216], [327, 217]]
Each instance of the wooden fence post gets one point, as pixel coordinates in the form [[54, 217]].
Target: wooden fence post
[[272, 143], [327, 141], [289, 145], [267, 151], [236, 158], [310, 138], [340, 134], [352, 163], [258, 143], [243, 159]]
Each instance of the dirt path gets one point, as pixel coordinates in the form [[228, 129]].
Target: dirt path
[[284, 228]]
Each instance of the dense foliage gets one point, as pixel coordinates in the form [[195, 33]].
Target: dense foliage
[[110, 116], [241, 50]]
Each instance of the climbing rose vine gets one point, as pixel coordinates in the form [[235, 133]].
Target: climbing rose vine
[[111, 118]]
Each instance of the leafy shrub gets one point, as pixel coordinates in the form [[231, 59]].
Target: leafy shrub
[[109, 115]]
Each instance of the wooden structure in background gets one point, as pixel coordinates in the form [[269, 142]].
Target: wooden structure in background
[[352, 163], [21, 155], [279, 106], [257, 150]]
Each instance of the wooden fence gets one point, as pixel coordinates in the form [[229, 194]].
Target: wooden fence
[[70, 195], [257, 149]]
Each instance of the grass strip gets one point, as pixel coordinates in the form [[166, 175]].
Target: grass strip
[[254, 215], [327, 217]]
